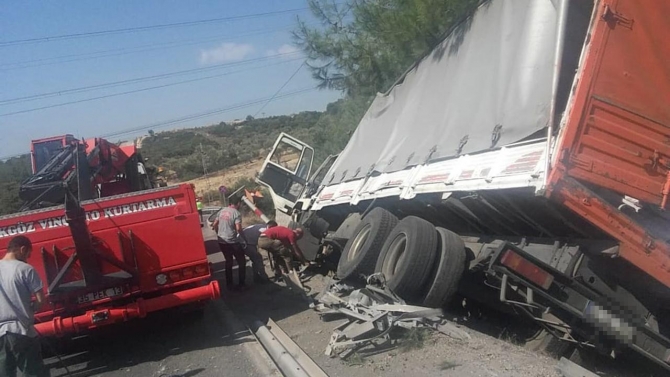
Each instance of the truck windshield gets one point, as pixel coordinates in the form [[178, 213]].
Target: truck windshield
[[44, 151], [287, 154]]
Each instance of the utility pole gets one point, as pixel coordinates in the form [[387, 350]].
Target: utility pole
[[204, 170]]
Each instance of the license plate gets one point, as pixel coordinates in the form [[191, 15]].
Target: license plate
[[99, 295]]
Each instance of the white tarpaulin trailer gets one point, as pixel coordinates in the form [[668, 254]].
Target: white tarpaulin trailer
[[472, 114], [487, 85]]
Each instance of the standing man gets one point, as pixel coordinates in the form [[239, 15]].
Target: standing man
[[281, 242], [251, 234], [19, 347], [198, 205], [228, 227]]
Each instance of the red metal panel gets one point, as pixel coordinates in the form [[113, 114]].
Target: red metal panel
[[618, 131], [139, 309], [165, 229], [637, 246]]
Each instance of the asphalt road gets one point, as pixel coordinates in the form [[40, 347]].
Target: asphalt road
[[172, 343]]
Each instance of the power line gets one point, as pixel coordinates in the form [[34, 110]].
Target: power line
[[190, 117], [136, 80], [132, 91], [207, 113], [129, 50], [280, 89], [143, 28]]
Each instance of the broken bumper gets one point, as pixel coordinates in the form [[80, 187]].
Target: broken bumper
[[59, 326]]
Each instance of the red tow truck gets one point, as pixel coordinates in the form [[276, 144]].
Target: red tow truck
[[108, 246]]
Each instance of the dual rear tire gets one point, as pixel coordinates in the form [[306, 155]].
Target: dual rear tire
[[361, 251], [408, 256], [421, 263]]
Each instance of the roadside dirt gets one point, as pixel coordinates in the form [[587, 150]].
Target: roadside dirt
[[226, 177], [495, 352], [436, 355]]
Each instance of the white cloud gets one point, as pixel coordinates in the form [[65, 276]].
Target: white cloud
[[284, 49], [225, 53]]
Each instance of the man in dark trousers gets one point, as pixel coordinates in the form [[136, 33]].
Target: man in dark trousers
[[281, 242], [251, 234], [228, 227], [19, 346]]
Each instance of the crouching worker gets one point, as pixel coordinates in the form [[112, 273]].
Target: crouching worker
[[281, 243], [19, 346], [252, 234]]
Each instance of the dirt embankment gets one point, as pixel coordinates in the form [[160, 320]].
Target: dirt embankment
[[226, 177]]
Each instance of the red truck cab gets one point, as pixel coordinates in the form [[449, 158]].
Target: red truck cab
[[148, 254]]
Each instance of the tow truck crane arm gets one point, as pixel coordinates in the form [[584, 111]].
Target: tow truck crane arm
[[89, 169]]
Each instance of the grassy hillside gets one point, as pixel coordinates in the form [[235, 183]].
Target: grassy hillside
[[12, 172], [224, 145]]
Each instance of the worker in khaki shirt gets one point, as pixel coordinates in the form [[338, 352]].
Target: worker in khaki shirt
[[19, 347], [281, 243]]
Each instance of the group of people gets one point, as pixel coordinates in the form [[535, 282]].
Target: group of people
[[236, 243], [19, 282]]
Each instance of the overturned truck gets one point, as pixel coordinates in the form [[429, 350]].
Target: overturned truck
[[524, 163]]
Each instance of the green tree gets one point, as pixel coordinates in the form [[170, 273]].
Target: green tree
[[362, 47], [12, 173]]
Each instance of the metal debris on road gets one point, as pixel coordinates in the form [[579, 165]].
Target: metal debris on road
[[372, 313]]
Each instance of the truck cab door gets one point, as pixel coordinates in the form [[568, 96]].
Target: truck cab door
[[286, 171]]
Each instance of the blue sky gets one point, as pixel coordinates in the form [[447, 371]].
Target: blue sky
[[28, 69]]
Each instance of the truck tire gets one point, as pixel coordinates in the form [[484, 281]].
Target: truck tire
[[408, 256], [450, 265], [544, 342], [361, 251]]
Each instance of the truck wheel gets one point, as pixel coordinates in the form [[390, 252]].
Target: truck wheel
[[408, 256], [449, 269], [543, 341], [361, 251]]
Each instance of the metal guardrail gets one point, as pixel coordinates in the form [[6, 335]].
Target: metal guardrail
[[289, 357]]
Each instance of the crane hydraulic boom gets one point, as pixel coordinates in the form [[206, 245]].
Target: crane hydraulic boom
[[90, 169]]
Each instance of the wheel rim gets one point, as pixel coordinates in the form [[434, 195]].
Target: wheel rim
[[396, 256], [359, 241]]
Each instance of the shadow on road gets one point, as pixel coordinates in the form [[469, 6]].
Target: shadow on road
[[153, 339], [165, 343]]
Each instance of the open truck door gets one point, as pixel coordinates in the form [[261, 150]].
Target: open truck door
[[286, 170]]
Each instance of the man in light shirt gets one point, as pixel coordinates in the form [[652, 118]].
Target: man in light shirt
[[19, 347], [228, 227]]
